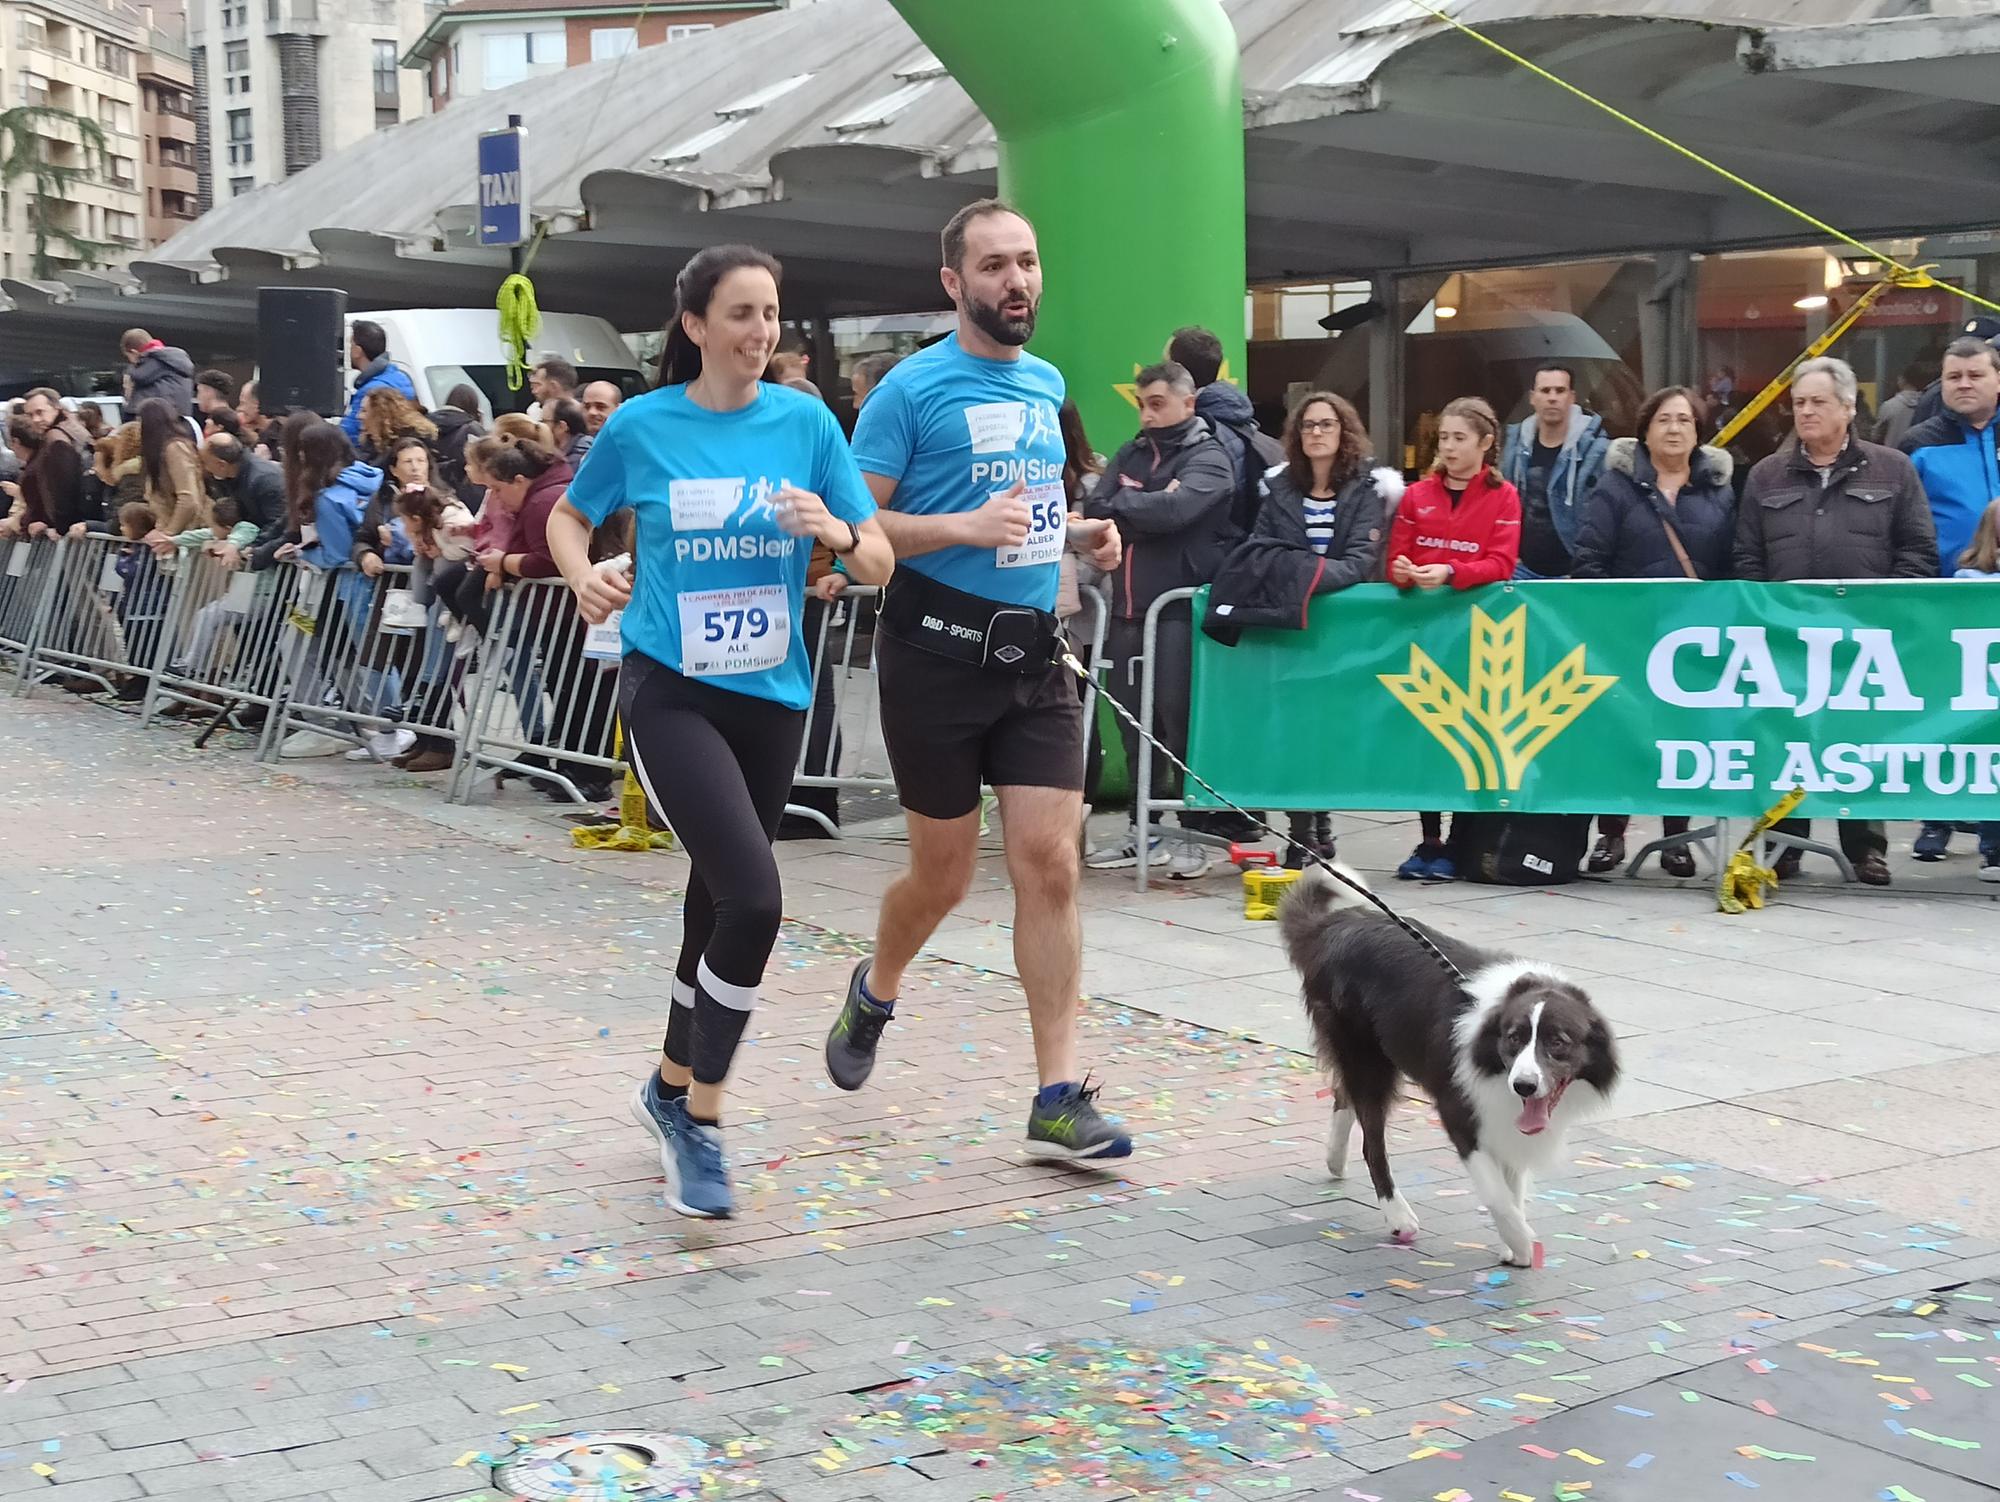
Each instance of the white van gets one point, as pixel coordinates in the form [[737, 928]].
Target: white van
[[445, 347]]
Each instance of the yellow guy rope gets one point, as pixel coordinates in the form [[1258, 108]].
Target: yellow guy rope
[[1911, 276]]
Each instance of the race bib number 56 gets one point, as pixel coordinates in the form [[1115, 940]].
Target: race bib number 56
[[1048, 523], [727, 631]]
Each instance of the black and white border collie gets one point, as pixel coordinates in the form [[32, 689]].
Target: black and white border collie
[[1512, 1059]]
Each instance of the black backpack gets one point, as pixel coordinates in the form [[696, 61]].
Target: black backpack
[[1254, 452], [1519, 850]]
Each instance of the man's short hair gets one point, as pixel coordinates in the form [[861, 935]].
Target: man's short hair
[[870, 369], [569, 412], [1844, 384], [1200, 351], [223, 419], [227, 448], [1546, 366], [134, 339], [221, 382], [952, 241], [48, 394], [369, 338], [559, 370], [1968, 348], [1169, 373]]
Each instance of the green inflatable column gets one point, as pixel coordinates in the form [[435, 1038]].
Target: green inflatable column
[[1121, 135]]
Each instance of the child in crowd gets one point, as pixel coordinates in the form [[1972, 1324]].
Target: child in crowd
[[1459, 526], [142, 602]]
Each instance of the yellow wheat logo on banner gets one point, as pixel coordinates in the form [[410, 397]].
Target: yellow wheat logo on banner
[[1494, 727]]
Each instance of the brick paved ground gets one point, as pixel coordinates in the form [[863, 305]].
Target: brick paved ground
[[315, 1181]]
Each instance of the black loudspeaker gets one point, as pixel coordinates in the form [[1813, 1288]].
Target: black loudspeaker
[[301, 349]]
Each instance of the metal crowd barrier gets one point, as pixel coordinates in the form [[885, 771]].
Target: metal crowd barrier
[[546, 694], [27, 592], [359, 655], [107, 603], [221, 649], [324, 652]]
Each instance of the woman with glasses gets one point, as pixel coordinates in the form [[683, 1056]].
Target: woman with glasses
[[1664, 509]]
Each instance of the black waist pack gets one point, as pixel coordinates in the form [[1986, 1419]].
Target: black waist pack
[[969, 628]]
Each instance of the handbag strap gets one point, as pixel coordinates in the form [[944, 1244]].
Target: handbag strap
[[1674, 542]]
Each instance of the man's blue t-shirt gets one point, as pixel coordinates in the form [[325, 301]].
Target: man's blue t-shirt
[[952, 429], [718, 586]]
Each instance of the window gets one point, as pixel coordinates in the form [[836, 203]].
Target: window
[[506, 59], [682, 33], [114, 114], [385, 70], [239, 125], [33, 33], [613, 41], [238, 186], [515, 56], [113, 58], [122, 171], [121, 226], [34, 88], [236, 57]]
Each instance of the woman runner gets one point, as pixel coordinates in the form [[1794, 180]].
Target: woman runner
[[732, 479]]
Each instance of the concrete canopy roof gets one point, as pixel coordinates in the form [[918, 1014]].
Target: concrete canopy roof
[[1377, 139]]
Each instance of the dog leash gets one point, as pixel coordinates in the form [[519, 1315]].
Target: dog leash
[[1429, 945]]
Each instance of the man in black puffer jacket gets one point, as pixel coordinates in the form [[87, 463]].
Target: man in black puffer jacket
[[1169, 491]]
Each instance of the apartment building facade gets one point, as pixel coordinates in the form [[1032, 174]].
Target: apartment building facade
[[169, 169], [281, 83], [80, 57], [477, 46]]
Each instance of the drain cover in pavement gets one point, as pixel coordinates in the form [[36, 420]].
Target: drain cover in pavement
[[617, 1466]]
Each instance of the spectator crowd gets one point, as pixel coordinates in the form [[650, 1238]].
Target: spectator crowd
[[418, 521]]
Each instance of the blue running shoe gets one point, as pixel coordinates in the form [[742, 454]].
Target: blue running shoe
[[1933, 840], [702, 1173], [1444, 868], [1064, 1125], [1418, 866]]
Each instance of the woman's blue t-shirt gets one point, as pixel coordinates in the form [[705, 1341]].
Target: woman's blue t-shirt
[[719, 587]]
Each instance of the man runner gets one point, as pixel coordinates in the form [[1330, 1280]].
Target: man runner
[[962, 447]]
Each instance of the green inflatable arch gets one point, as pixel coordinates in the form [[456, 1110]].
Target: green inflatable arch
[[1121, 135]]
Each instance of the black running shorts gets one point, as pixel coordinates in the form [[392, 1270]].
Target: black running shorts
[[951, 725]]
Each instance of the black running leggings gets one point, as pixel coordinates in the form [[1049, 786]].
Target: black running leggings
[[717, 766]]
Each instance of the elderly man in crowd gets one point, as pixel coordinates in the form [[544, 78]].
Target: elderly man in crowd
[[1829, 506]]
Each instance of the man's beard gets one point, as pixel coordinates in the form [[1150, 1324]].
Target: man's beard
[[1000, 328]]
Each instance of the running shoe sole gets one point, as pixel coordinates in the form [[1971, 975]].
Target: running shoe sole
[[1044, 1151]]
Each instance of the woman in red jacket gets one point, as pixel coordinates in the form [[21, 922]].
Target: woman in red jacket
[[1460, 526]]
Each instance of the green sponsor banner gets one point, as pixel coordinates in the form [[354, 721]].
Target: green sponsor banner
[[1881, 700]]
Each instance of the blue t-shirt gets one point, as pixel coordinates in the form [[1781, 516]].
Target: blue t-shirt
[[719, 587], [952, 429]]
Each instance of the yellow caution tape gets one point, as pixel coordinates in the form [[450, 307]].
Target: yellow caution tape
[[1743, 880]]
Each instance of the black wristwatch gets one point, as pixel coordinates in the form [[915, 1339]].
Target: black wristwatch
[[853, 540]]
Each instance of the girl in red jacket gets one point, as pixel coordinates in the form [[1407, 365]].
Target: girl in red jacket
[[1460, 526]]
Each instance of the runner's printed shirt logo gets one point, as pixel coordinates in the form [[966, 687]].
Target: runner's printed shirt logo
[[1007, 428], [736, 628]]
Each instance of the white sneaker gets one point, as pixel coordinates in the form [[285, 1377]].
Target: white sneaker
[[303, 743], [383, 745], [1121, 857], [1989, 870], [1190, 861]]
